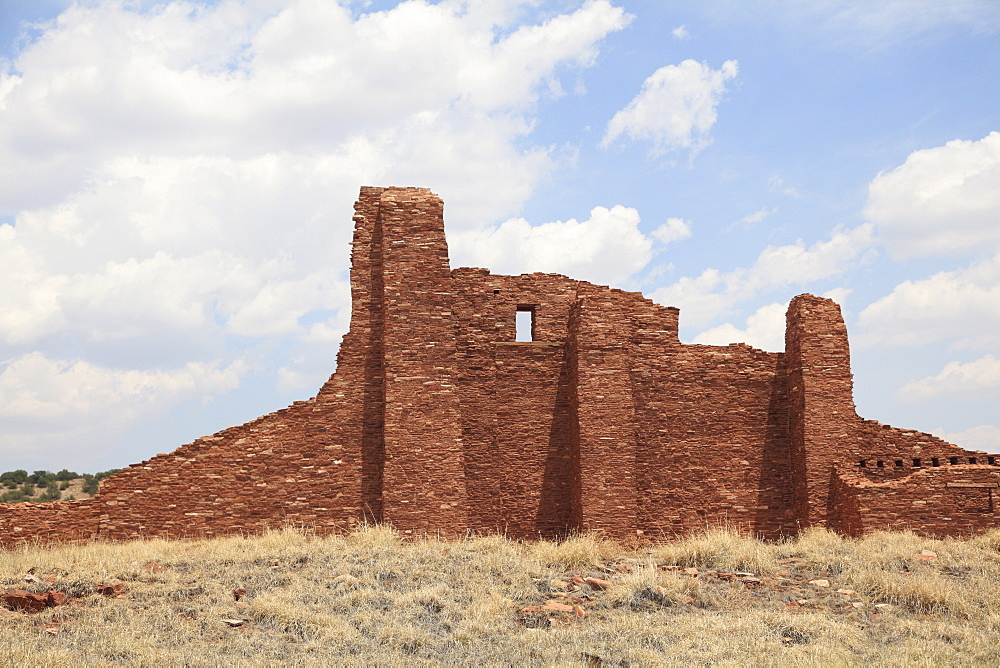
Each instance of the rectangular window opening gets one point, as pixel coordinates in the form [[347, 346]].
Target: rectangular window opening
[[953, 460], [972, 460], [916, 462], [899, 463], [935, 462], [525, 323], [862, 463], [879, 464], [991, 461]]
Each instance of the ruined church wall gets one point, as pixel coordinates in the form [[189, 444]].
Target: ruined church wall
[[713, 441], [959, 500], [824, 427], [604, 405], [306, 465], [514, 397], [423, 479], [283, 468], [892, 453], [533, 438], [438, 421]]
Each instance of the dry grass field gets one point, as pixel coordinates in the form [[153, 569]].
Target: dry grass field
[[371, 599]]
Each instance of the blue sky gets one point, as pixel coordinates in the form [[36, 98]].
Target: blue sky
[[178, 180]]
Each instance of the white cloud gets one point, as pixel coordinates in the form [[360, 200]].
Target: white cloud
[[37, 388], [65, 406], [714, 293], [607, 248], [963, 305], [985, 437], [753, 218], [765, 329], [976, 378], [680, 32], [676, 107], [838, 295], [181, 176], [246, 79], [179, 247], [940, 201], [675, 229]]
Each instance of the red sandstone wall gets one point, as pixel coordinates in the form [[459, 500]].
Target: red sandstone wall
[[713, 441], [605, 413], [423, 482], [533, 437], [437, 421], [515, 404], [955, 500], [823, 424], [278, 469]]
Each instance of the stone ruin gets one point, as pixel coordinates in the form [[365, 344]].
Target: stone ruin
[[438, 421]]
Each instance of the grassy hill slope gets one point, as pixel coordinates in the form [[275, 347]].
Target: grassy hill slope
[[371, 599]]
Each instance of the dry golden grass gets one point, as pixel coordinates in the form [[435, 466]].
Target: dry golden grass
[[370, 598]]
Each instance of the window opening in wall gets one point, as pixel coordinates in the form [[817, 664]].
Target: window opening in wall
[[899, 463], [953, 460], [880, 464], [935, 462], [991, 461], [916, 462], [972, 460], [862, 463], [496, 292], [525, 323]]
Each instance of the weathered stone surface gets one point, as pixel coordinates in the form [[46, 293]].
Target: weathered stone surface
[[438, 421], [23, 601], [110, 590]]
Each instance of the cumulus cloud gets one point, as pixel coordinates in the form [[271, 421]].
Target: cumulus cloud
[[607, 248], [180, 175], [957, 378], [675, 229], [714, 293], [675, 109], [53, 403], [961, 305], [940, 201], [244, 79], [765, 329]]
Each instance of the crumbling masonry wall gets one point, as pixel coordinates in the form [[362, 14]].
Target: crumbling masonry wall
[[438, 420]]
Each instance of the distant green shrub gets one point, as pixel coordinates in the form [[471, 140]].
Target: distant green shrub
[[14, 496], [12, 479], [90, 484], [41, 478], [22, 487]]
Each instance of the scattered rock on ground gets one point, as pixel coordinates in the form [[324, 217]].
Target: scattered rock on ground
[[23, 601]]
